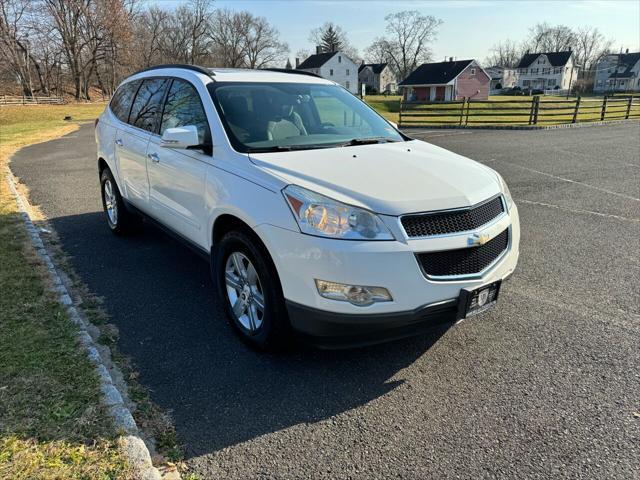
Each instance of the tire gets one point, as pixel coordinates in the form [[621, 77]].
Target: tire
[[120, 220], [267, 329]]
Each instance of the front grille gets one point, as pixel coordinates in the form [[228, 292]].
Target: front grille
[[464, 261], [425, 224]]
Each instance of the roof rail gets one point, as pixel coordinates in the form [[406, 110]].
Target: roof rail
[[295, 72], [185, 66]]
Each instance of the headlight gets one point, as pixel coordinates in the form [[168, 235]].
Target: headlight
[[323, 216], [505, 192]]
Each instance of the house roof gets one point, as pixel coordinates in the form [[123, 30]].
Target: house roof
[[375, 67], [556, 59], [316, 61], [628, 60], [436, 73]]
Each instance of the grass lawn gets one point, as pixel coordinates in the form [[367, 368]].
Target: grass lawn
[[52, 425]]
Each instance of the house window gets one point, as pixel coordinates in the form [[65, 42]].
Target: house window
[[473, 71], [331, 72], [534, 70], [347, 71], [546, 70], [526, 83], [339, 59], [348, 84], [551, 82], [600, 82]]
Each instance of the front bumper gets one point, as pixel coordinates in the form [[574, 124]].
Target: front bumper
[[338, 330], [300, 259]]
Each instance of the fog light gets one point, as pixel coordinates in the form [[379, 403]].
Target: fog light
[[355, 294]]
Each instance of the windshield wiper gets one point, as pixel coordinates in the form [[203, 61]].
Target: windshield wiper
[[367, 141], [286, 148]]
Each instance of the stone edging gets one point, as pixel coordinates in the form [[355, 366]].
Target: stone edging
[[515, 127], [132, 445]]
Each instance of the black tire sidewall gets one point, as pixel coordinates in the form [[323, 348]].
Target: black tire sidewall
[[273, 330]]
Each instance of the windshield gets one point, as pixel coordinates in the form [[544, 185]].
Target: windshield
[[263, 117]]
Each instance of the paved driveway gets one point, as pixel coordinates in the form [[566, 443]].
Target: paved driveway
[[546, 385]]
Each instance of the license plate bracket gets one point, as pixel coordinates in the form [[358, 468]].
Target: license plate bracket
[[478, 300]]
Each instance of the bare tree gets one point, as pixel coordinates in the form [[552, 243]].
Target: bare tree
[[228, 32], [17, 46], [377, 52], [590, 47], [407, 44], [262, 46], [550, 38], [505, 54], [149, 31]]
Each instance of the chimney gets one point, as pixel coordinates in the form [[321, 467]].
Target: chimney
[[297, 62], [451, 59], [318, 49]]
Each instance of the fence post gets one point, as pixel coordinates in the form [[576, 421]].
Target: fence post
[[626, 117], [535, 107], [462, 110], [575, 112], [533, 103], [466, 118], [603, 112]]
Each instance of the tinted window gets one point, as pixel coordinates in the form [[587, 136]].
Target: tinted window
[[183, 107], [121, 101], [269, 116], [147, 106]]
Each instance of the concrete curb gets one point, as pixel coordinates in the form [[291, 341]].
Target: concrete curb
[[130, 442], [514, 127]]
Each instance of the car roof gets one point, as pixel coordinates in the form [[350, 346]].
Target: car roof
[[231, 74]]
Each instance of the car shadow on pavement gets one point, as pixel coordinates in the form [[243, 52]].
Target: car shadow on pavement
[[218, 391]]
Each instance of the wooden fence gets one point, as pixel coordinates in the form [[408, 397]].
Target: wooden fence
[[24, 100], [535, 111]]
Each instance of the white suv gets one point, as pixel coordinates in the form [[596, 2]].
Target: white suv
[[318, 216]]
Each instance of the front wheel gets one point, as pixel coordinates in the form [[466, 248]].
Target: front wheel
[[249, 287], [120, 220]]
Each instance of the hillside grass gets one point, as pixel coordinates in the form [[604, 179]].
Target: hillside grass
[[52, 425]]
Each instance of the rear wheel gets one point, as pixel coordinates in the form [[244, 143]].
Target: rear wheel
[[120, 220], [249, 287]]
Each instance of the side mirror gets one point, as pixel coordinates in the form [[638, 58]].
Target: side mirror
[[181, 137]]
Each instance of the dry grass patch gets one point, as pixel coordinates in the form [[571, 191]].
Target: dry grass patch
[[52, 425]]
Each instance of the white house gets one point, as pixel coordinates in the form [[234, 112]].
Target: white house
[[377, 77], [619, 72], [334, 66], [547, 71], [501, 78]]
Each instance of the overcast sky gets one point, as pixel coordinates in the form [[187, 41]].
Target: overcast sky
[[470, 27]]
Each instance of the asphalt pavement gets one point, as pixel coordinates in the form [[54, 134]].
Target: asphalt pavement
[[543, 386]]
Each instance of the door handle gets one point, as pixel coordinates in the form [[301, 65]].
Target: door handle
[[153, 157], [119, 142]]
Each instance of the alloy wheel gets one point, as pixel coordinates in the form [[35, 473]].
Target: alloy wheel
[[111, 202], [244, 292]]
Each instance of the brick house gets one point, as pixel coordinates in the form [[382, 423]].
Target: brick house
[[452, 80], [334, 66]]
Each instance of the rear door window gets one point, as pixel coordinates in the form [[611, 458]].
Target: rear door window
[[183, 107], [121, 101], [147, 107]]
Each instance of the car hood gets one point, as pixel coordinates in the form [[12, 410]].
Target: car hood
[[390, 178]]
